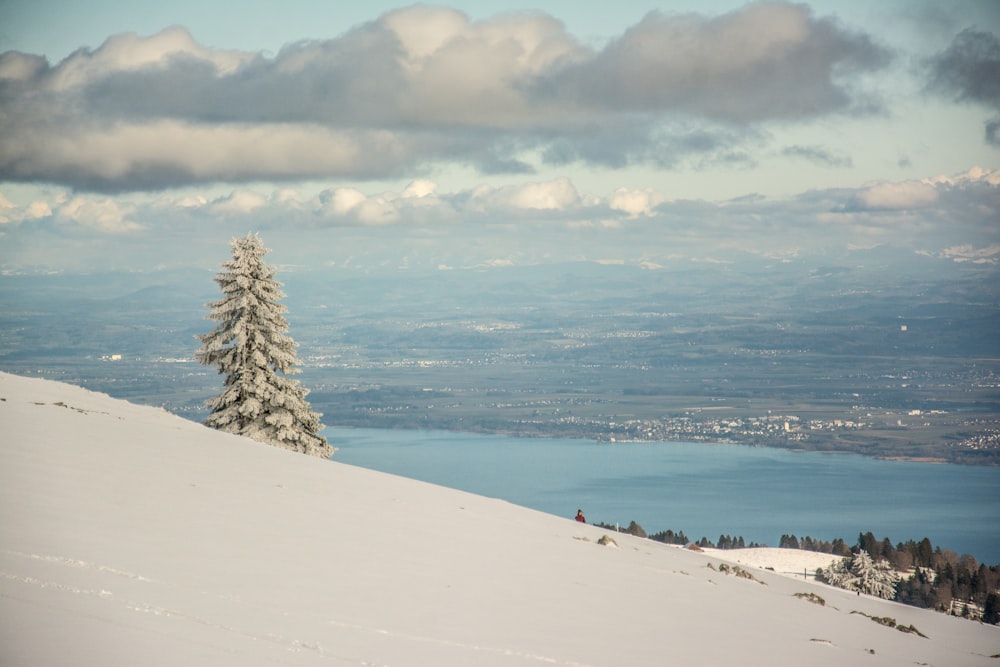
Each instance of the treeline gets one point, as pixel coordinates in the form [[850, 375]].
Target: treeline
[[670, 537], [939, 579], [837, 547]]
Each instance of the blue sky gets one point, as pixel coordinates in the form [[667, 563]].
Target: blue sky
[[380, 136]]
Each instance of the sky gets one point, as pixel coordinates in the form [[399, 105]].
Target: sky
[[375, 136]]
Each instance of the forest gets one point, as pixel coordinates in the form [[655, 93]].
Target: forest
[[937, 578]]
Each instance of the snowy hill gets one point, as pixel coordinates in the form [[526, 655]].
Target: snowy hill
[[131, 536]]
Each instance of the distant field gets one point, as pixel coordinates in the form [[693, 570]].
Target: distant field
[[777, 358]]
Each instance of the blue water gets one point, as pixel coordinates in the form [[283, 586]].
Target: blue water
[[704, 490]]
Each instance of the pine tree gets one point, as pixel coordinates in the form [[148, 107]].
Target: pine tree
[[991, 610], [861, 573], [250, 346]]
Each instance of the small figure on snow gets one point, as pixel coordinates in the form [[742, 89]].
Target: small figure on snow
[[580, 517]]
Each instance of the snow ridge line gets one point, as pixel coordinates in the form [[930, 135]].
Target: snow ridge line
[[78, 564], [461, 645], [63, 404]]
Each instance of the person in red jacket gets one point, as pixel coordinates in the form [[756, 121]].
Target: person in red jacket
[[580, 517]]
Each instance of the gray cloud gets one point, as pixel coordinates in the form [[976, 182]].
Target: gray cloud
[[969, 68], [817, 155], [969, 71], [766, 61], [421, 86], [993, 132]]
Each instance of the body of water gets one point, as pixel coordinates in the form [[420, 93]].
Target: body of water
[[702, 489]]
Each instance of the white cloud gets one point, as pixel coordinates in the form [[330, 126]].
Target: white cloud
[[341, 201], [537, 222], [103, 215], [497, 262], [10, 212], [353, 206], [37, 210], [422, 30], [288, 196], [240, 202], [971, 176], [130, 52], [968, 253], [635, 202], [898, 196], [556, 195], [418, 189]]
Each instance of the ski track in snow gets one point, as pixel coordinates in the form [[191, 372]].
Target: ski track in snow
[[76, 563], [142, 608], [42, 583]]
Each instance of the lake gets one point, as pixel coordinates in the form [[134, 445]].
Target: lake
[[702, 489]]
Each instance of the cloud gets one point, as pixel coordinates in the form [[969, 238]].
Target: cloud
[[635, 202], [10, 213], [970, 177], [422, 86], [419, 189], [969, 68], [170, 153], [349, 205], [950, 217], [764, 61], [897, 196], [992, 132], [969, 71], [240, 202], [817, 155], [103, 215], [969, 200], [968, 253], [18, 67], [556, 195]]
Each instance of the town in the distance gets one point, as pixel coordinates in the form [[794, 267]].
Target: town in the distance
[[779, 354]]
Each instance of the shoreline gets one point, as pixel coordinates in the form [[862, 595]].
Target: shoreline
[[512, 433]]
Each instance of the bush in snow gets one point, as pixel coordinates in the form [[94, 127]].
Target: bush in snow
[[250, 348]]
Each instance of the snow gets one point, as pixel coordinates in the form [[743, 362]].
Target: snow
[[792, 562], [132, 536]]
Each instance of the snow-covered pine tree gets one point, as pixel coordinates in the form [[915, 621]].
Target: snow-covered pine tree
[[250, 346], [874, 577], [861, 573], [837, 574]]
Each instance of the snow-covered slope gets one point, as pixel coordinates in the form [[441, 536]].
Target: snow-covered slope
[[130, 536]]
